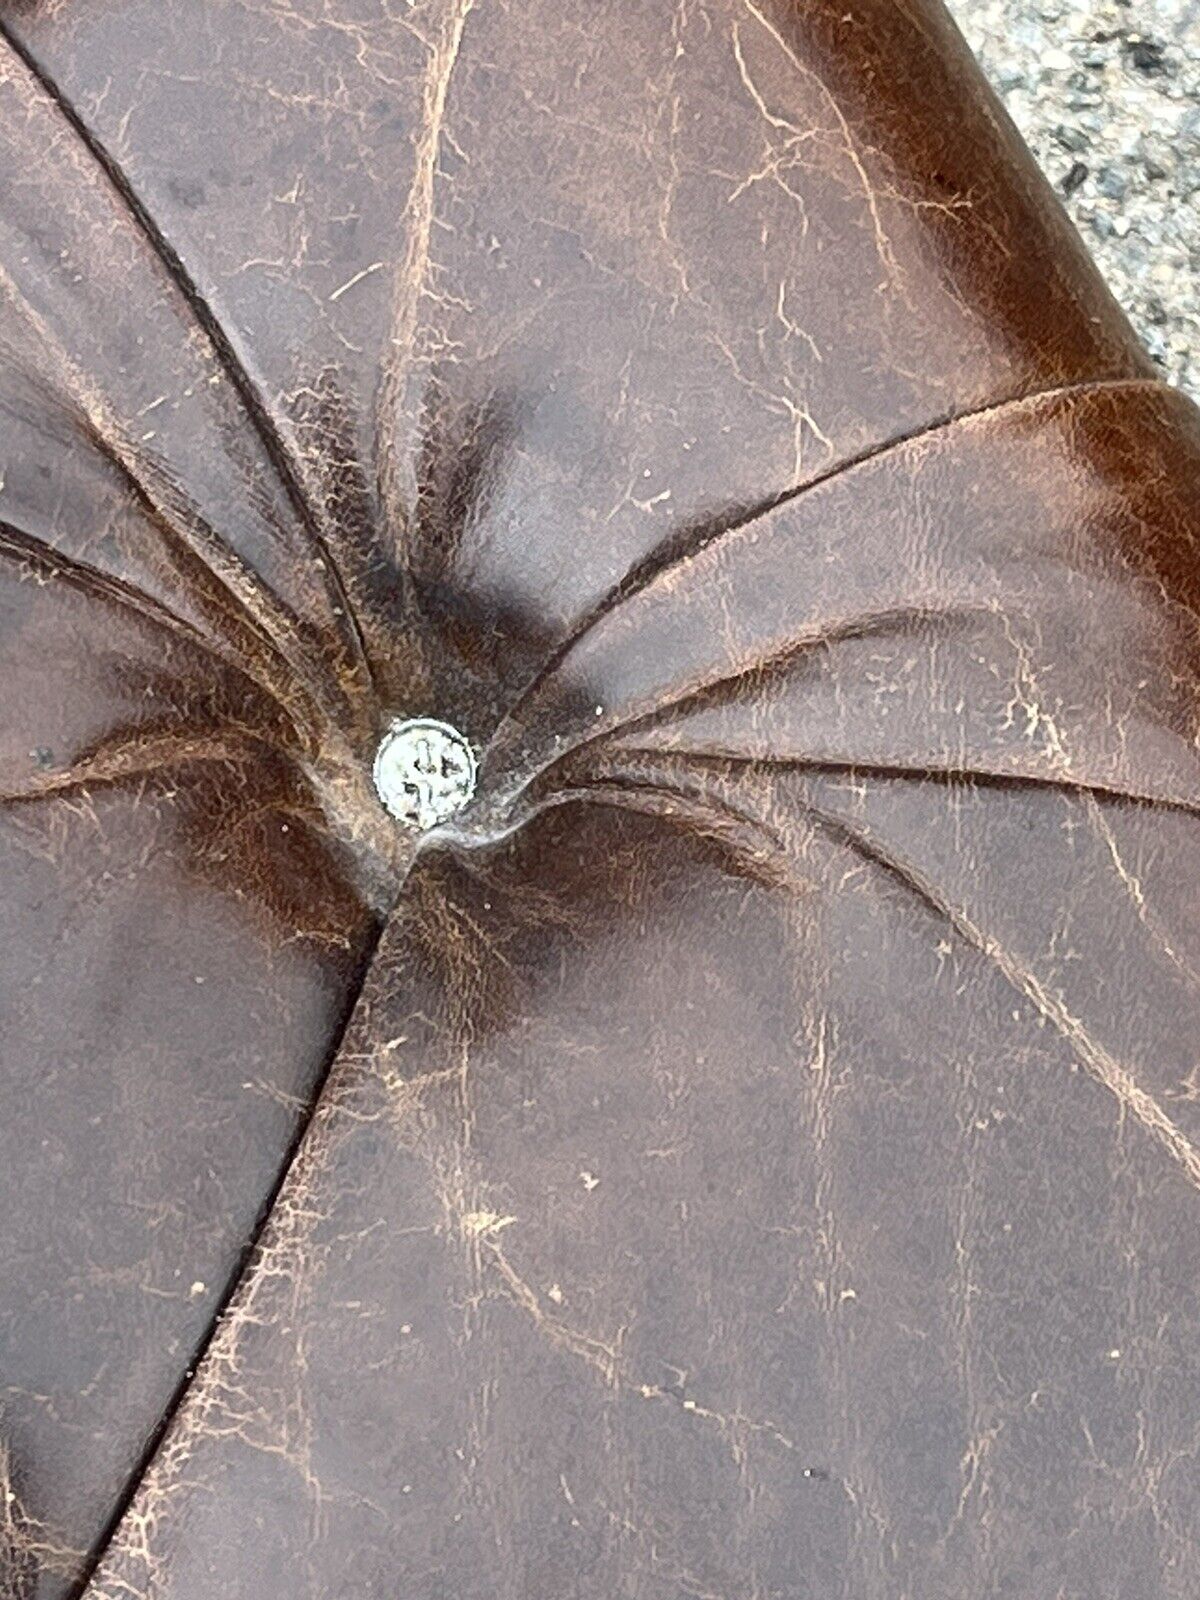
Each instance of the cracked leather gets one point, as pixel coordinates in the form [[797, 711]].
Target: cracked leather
[[750, 1154]]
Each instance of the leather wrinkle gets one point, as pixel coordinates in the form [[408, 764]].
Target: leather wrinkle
[[87, 1567], [679, 552], [200, 547], [399, 497], [24, 548], [251, 396], [120, 759], [688, 543], [948, 777], [1096, 1059]]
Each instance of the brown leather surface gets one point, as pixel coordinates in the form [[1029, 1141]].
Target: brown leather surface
[[752, 1153]]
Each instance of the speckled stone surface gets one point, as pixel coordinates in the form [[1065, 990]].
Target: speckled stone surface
[[1107, 94]]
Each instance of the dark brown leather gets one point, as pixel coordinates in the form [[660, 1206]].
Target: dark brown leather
[[752, 1153]]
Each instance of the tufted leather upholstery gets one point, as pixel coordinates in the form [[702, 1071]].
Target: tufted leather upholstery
[[752, 1152]]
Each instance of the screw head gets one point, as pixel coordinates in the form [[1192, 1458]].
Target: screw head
[[424, 772]]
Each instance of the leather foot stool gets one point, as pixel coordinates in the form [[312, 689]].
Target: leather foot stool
[[599, 950]]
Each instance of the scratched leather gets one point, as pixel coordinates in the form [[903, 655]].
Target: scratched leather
[[752, 1152]]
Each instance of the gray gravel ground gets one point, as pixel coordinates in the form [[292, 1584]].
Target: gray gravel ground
[[1107, 94]]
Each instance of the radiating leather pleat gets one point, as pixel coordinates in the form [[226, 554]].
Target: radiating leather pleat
[[902, 616], [107, 363]]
